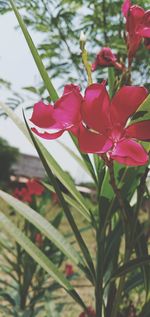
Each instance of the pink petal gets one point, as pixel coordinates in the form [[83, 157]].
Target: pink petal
[[90, 142], [125, 7], [95, 107], [126, 102], [42, 115], [145, 32], [68, 108], [139, 130], [70, 87], [46, 135], [130, 153]]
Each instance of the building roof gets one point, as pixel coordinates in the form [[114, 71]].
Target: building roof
[[28, 166]]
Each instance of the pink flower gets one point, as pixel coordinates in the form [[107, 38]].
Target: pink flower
[[106, 58], [65, 115], [90, 312], [104, 127], [69, 270], [137, 27]]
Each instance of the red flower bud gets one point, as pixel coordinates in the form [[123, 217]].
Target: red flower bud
[[69, 270], [38, 240], [106, 58]]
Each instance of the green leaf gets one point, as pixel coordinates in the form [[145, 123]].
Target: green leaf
[[85, 158], [141, 249], [43, 225], [145, 310], [75, 156], [130, 266], [58, 172], [111, 80], [70, 201], [38, 256], [84, 249], [38, 61], [143, 112]]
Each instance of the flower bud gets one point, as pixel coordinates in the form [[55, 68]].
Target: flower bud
[[82, 40]]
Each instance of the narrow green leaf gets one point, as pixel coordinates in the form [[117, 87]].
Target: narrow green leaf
[[143, 112], [70, 201], [75, 156], [85, 158], [43, 225], [38, 256], [145, 310], [130, 266], [38, 61], [58, 172], [84, 249], [111, 80]]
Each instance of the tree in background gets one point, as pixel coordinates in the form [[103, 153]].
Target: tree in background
[[61, 21], [8, 156]]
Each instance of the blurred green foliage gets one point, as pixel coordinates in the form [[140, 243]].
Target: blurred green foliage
[[61, 22]]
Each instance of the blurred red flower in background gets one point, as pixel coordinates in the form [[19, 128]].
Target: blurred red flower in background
[[90, 312], [69, 270], [32, 187]]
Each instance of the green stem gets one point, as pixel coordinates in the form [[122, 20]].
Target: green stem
[[117, 299], [99, 274]]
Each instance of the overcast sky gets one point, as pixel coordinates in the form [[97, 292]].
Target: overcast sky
[[18, 67]]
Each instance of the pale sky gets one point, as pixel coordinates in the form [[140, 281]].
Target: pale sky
[[18, 67]]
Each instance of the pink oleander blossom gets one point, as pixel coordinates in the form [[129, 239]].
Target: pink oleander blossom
[[104, 128], [137, 27], [64, 115], [106, 58]]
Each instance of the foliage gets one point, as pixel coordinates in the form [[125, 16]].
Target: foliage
[[28, 287], [8, 156], [61, 22], [120, 265]]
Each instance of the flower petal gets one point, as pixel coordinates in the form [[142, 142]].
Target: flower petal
[[130, 153], [139, 130], [145, 32], [46, 135], [42, 115], [126, 102], [125, 7], [68, 108], [90, 142], [95, 107]]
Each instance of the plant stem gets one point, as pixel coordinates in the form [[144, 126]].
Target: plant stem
[[99, 274], [124, 218]]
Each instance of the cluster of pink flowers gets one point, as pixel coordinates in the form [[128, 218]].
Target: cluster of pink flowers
[[102, 125], [31, 188]]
